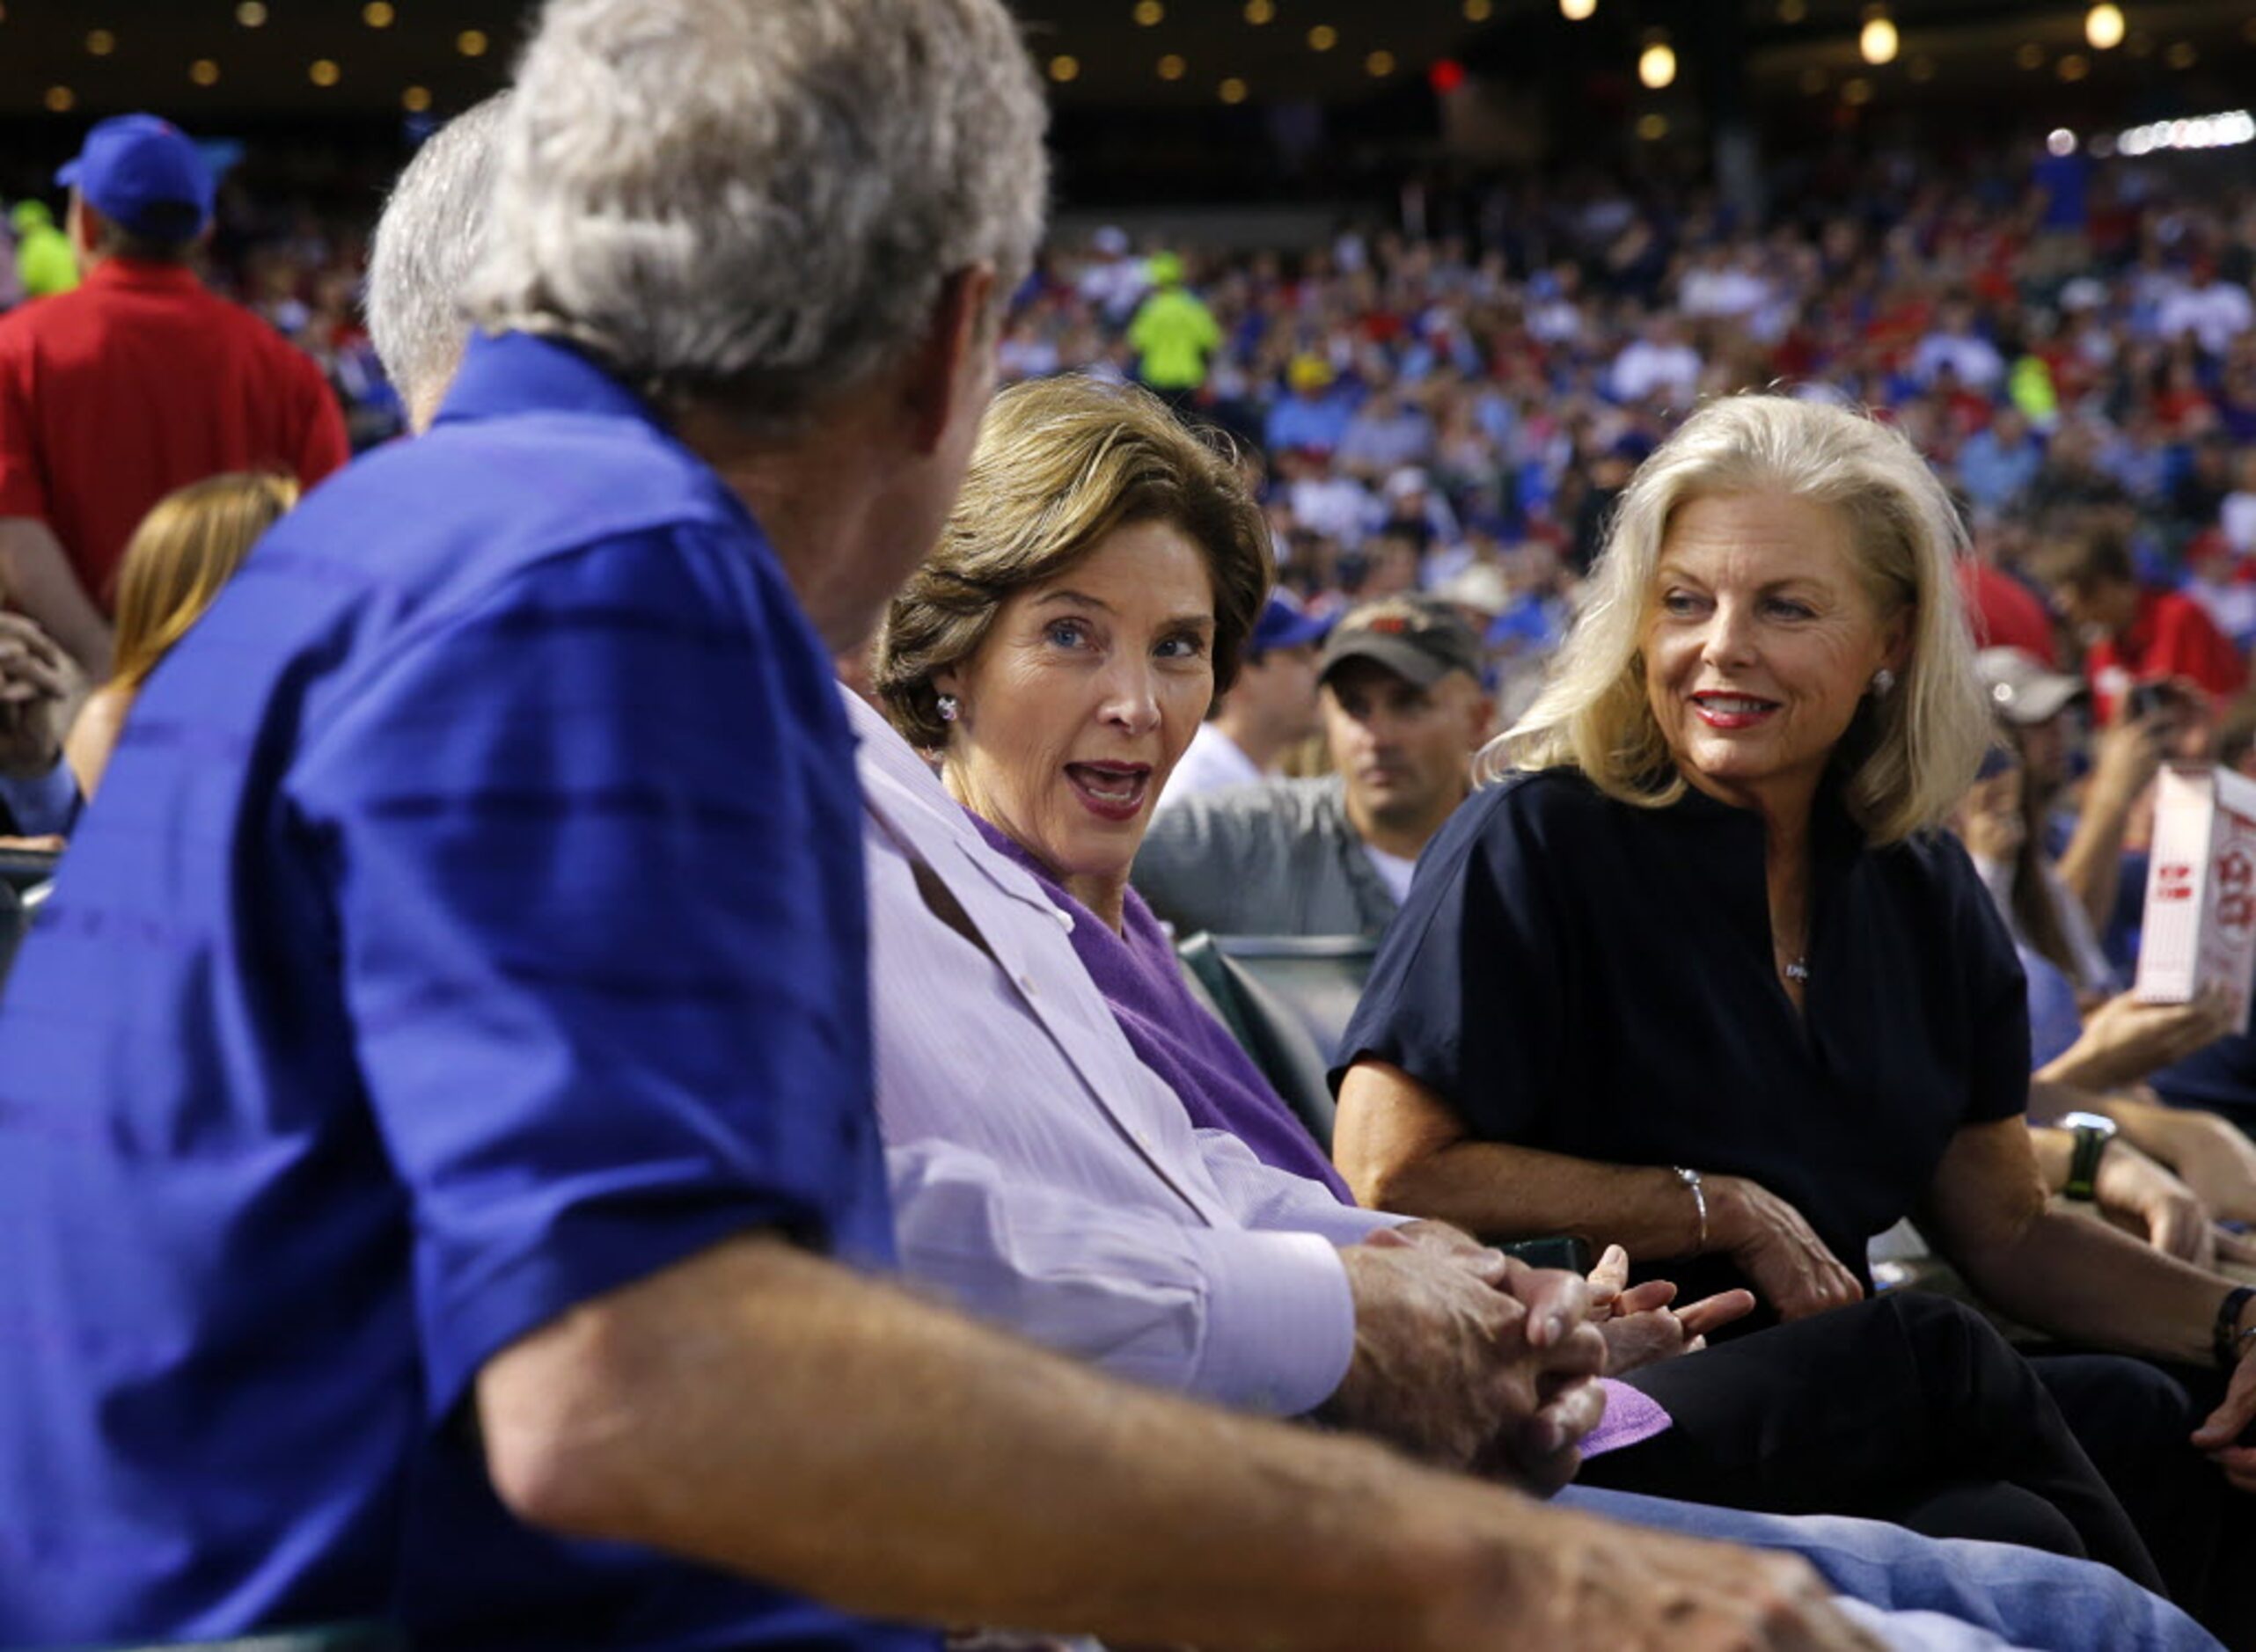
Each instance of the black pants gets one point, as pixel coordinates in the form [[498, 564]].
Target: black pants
[[1907, 1407], [2132, 1418]]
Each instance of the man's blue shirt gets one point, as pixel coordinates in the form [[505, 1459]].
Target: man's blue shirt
[[472, 922]]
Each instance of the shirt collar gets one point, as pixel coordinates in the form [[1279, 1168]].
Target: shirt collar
[[517, 372], [141, 275]]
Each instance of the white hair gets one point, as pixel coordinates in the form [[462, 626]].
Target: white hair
[[1910, 755], [757, 202], [431, 231]]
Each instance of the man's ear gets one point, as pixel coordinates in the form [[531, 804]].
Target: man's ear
[[82, 224], [958, 350]]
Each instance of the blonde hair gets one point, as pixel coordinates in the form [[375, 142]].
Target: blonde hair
[[187, 546], [1910, 753], [1061, 463]]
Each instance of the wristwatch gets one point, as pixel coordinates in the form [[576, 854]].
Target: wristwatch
[[2093, 1132]]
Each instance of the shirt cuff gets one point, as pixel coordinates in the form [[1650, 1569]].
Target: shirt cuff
[[43, 803], [1280, 1322]]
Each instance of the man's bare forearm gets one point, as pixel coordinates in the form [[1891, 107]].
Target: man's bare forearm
[[36, 576], [760, 1409]]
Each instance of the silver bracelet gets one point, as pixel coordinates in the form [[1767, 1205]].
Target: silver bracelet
[[1691, 1179]]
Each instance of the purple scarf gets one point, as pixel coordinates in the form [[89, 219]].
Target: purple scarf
[[1172, 1033]]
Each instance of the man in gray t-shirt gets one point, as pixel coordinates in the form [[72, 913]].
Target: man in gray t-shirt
[[1403, 710]]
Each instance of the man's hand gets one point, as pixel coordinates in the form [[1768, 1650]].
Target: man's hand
[[1776, 1249], [2145, 1197], [2212, 1157], [2127, 756], [1591, 1585], [1467, 1357], [2217, 1436], [2124, 1040], [39, 688], [1640, 1326]]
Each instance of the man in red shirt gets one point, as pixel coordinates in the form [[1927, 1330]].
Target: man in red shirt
[[2133, 633], [138, 383]]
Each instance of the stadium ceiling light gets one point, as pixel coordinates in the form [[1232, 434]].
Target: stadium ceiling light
[[1576, 10], [415, 99], [1232, 90], [1878, 41], [471, 42], [2228, 130], [323, 71], [251, 14], [1478, 11], [1657, 63], [377, 14], [1150, 13], [1172, 67], [2102, 27], [2060, 141], [1380, 64], [101, 42], [1792, 10], [1323, 37], [1260, 11], [59, 100], [204, 72], [1064, 67]]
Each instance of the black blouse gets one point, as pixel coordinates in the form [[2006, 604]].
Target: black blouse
[[1578, 975]]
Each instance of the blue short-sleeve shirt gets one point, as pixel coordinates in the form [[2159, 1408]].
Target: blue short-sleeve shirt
[[472, 922]]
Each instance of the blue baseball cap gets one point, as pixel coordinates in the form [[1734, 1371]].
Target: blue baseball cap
[[144, 175], [1282, 625]]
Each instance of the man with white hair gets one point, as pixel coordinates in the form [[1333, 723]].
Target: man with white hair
[[425, 244], [437, 1150], [946, 1225]]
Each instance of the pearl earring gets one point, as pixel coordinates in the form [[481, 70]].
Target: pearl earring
[[947, 707], [1883, 682]]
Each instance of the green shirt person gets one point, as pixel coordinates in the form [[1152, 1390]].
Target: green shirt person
[[44, 263], [1173, 331]]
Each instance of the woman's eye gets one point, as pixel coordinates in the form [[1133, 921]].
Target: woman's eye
[[1067, 633], [1183, 647], [1680, 602], [1788, 609]]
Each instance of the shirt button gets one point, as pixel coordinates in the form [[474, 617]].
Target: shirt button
[[1026, 985], [1065, 919]]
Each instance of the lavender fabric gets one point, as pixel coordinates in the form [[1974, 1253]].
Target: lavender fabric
[[1173, 1035], [1217, 1082]]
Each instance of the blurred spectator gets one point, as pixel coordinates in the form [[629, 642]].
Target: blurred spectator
[[1173, 332], [1955, 348], [1657, 361], [2134, 633], [41, 687], [1403, 710], [1313, 417], [139, 381], [2003, 610], [2214, 309], [1270, 707], [1385, 435], [44, 264], [1997, 463], [183, 553]]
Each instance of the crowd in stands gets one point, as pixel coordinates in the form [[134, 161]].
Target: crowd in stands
[[707, 811]]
